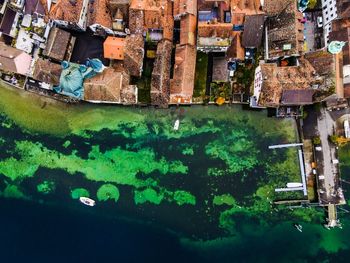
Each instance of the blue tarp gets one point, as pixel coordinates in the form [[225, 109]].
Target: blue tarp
[[73, 75]]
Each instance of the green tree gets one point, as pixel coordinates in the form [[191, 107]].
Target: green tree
[[316, 140]]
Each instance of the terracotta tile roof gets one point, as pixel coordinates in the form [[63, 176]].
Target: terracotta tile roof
[[136, 21], [253, 31], [297, 97], [113, 48], [188, 26], [160, 82], [182, 84], [14, 60], [57, 43], [133, 54], [104, 87], [185, 7], [46, 71], [273, 7], [66, 10], [151, 14], [236, 50], [129, 95], [248, 7], [276, 79], [222, 30], [322, 61], [237, 18], [99, 13], [285, 30]]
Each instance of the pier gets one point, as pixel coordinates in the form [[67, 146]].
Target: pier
[[289, 189], [301, 166], [285, 145], [332, 220]]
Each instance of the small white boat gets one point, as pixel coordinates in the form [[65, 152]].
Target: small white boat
[[176, 125], [292, 185], [299, 227], [87, 201]]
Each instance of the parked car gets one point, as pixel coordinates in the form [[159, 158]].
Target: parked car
[[319, 21]]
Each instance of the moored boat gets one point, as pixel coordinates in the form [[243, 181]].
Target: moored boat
[[87, 201], [177, 124], [299, 227], [292, 185]]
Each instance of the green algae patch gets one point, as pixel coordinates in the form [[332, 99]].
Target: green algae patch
[[148, 195], [117, 165], [79, 192], [108, 192], [188, 151], [13, 191], [236, 149], [66, 144], [46, 187], [183, 197], [225, 199], [17, 169]]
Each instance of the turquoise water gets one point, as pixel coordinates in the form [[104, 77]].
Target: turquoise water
[[209, 185]]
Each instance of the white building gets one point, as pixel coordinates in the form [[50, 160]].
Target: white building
[[329, 13]]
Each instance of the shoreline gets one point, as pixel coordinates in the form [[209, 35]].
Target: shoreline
[[66, 100]]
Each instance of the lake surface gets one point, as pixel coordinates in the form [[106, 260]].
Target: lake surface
[[199, 194]]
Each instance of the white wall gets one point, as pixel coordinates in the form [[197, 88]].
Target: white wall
[[329, 12], [83, 15]]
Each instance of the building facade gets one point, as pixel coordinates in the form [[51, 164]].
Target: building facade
[[329, 13]]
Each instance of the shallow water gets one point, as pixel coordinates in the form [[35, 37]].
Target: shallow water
[[205, 189]]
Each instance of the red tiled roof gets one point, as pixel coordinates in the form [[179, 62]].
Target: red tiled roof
[[182, 84], [113, 48], [66, 10]]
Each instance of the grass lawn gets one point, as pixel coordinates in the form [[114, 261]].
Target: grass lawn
[[200, 81]]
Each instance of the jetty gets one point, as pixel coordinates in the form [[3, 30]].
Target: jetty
[[301, 166]]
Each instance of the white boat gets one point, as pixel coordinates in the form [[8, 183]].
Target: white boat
[[87, 201], [299, 227], [292, 185], [176, 125], [347, 129]]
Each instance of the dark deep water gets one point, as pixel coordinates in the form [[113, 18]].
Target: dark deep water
[[35, 233], [200, 195]]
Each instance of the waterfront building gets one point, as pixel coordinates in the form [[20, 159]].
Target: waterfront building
[[104, 87], [134, 54], [160, 81], [47, 72], [13, 60], [182, 83]]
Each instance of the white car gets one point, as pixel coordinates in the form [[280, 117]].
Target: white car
[[319, 21]]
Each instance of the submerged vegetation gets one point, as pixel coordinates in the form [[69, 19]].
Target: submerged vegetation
[[212, 173]]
